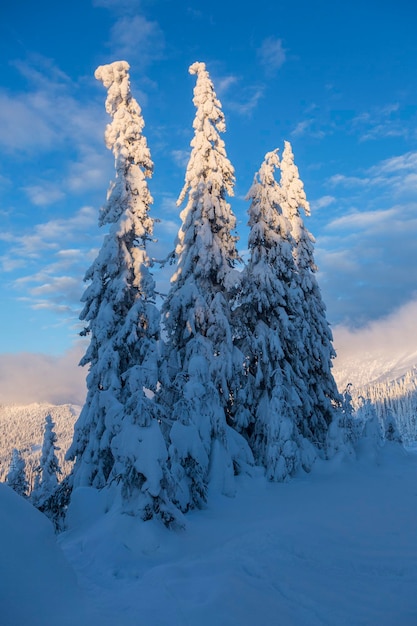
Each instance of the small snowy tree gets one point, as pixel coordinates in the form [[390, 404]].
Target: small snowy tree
[[16, 476], [370, 439], [201, 356], [46, 480], [392, 432], [267, 305], [315, 347], [117, 439]]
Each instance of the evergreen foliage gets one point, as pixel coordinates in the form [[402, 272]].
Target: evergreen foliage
[[201, 355], [314, 347], [245, 373], [46, 480], [117, 439], [267, 305], [16, 476], [395, 403]]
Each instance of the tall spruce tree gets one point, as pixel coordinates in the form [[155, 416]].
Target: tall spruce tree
[[204, 449], [117, 439], [315, 348], [266, 310]]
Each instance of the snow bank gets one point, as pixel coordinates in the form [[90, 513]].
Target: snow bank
[[38, 587]]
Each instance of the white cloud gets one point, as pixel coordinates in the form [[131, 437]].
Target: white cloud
[[137, 39], [301, 128], [393, 177], [223, 84], [322, 203], [365, 219], [181, 157], [50, 113], [51, 235], [54, 266], [401, 163], [248, 101], [272, 54], [43, 195], [367, 261], [308, 127], [56, 284], [337, 260], [23, 127], [376, 227], [388, 343], [93, 170], [380, 122], [57, 380], [348, 181]]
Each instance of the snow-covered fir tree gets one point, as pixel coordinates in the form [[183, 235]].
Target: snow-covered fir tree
[[16, 476], [46, 480], [266, 310], [205, 451], [322, 400], [117, 439]]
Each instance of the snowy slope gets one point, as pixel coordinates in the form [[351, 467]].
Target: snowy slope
[[38, 587], [337, 547]]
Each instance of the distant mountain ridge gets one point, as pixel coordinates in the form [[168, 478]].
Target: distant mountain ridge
[[372, 368], [390, 385], [22, 427]]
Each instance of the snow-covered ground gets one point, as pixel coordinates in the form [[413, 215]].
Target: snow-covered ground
[[336, 547]]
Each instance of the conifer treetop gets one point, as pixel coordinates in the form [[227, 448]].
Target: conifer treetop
[[209, 153], [128, 194], [124, 134], [291, 184]]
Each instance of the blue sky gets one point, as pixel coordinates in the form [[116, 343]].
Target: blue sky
[[338, 81]]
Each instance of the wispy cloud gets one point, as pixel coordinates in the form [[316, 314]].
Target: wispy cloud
[[380, 122], [301, 128], [360, 220], [42, 195], [224, 84], [91, 171], [322, 203], [54, 268], [137, 39], [248, 101], [402, 163], [374, 224], [272, 54], [23, 126], [244, 98], [396, 176], [48, 113], [348, 181], [133, 37], [308, 127], [181, 157], [362, 257], [60, 294]]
